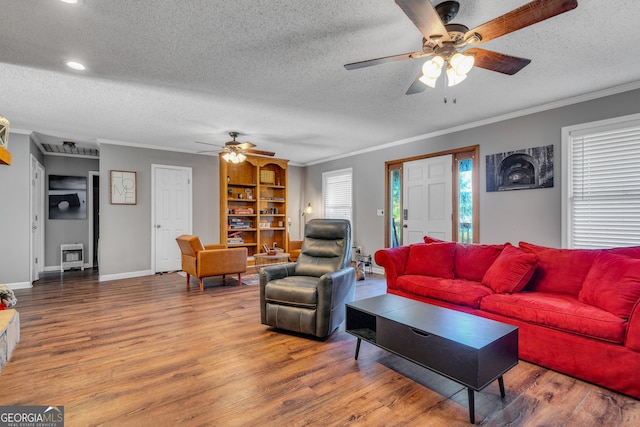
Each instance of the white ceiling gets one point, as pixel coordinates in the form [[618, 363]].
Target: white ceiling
[[167, 72]]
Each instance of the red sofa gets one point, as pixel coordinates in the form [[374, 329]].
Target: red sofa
[[577, 310]]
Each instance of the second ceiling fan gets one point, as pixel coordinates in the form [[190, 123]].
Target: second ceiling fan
[[235, 150], [445, 42]]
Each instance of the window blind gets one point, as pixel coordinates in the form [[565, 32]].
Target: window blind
[[337, 194], [605, 186]]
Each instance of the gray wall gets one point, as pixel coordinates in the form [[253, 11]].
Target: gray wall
[[529, 215], [15, 229], [125, 230], [60, 231], [294, 200], [532, 215]]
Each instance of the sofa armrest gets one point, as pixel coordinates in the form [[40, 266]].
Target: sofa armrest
[[632, 340], [394, 261]]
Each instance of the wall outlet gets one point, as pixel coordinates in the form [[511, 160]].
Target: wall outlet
[[380, 212]]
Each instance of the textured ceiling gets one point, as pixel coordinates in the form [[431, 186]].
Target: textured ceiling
[[169, 73]]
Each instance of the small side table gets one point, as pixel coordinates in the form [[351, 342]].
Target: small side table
[[264, 259], [366, 259]]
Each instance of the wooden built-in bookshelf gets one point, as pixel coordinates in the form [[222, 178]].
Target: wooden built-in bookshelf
[[253, 203]]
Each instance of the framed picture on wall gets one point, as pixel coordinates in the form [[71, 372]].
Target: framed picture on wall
[[67, 197], [123, 188]]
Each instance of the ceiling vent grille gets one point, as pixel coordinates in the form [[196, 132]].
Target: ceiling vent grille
[[71, 149]]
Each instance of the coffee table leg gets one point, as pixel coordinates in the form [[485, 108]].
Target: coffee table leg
[[358, 347], [501, 384], [472, 408]]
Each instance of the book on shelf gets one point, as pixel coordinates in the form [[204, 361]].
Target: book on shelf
[[235, 241], [247, 211]]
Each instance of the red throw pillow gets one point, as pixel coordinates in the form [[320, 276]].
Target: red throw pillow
[[434, 259], [629, 251], [511, 271], [559, 270], [472, 260], [428, 239], [612, 284]]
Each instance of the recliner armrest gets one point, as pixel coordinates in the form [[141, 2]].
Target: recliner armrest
[[334, 290], [338, 283]]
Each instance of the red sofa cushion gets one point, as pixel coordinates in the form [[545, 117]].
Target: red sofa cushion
[[557, 311], [472, 261], [428, 239], [559, 270], [456, 291], [435, 259], [612, 284], [511, 271]]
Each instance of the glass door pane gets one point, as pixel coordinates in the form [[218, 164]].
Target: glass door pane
[[465, 201], [395, 203]]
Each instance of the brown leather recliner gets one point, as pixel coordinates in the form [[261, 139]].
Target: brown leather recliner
[[202, 261], [309, 296]]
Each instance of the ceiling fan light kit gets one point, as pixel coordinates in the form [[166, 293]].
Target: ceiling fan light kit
[[234, 157], [446, 42], [234, 151]]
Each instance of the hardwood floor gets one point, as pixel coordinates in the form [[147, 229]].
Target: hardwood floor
[[149, 352]]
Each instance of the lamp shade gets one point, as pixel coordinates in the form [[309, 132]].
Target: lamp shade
[[462, 64], [453, 77], [234, 157]]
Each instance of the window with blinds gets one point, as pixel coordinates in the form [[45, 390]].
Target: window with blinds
[[337, 194], [603, 185]]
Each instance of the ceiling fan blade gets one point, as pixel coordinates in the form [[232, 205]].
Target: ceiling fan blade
[[494, 61], [416, 87], [528, 14], [260, 152], [425, 17], [207, 143], [378, 61]]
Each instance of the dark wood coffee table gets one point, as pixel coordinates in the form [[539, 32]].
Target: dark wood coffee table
[[470, 350]]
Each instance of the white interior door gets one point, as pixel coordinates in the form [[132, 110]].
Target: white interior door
[[36, 208], [171, 214], [427, 199]]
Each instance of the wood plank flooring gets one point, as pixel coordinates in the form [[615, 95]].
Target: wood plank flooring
[[149, 352]]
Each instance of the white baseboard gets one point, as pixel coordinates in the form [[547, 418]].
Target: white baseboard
[[19, 285], [57, 267], [128, 275]]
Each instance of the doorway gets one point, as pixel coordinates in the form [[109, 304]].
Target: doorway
[[36, 208], [463, 194], [171, 214], [427, 202], [93, 197]]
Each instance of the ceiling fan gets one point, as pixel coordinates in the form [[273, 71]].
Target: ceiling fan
[[235, 151], [445, 42]]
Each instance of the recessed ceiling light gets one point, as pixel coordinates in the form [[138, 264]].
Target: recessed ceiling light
[[75, 65], [70, 1]]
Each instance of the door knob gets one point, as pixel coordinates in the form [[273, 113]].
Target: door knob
[[157, 225], [404, 226]]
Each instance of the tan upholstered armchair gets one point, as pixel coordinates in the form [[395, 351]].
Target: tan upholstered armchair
[[294, 249], [202, 261], [309, 296]]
